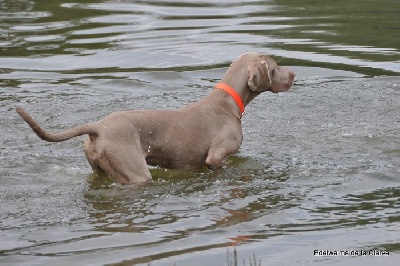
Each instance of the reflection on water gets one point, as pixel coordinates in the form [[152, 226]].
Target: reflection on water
[[318, 168], [122, 35]]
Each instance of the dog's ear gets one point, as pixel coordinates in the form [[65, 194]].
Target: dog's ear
[[259, 76]]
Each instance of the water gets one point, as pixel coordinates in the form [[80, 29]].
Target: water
[[318, 168]]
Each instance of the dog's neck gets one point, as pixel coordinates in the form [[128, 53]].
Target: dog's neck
[[228, 89], [237, 77]]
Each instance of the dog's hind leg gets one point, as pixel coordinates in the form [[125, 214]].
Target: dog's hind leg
[[125, 164]]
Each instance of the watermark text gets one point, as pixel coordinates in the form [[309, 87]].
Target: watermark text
[[371, 252]]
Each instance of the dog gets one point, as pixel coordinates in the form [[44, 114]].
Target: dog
[[124, 143]]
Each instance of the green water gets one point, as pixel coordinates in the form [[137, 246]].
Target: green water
[[318, 168]]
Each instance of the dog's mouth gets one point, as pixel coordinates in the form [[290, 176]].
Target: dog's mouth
[[284, 86]]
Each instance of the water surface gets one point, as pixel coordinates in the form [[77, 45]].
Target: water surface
[[318, 168]]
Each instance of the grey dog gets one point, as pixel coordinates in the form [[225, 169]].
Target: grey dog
[[124, 143]]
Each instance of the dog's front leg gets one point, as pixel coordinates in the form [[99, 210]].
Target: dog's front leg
[[215, 157], [218, 151]]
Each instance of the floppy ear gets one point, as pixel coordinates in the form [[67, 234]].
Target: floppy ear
[[259, 79]]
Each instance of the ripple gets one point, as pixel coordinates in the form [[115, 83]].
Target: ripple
[[318, 167]]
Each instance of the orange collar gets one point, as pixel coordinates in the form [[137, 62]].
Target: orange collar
[[228, 89]]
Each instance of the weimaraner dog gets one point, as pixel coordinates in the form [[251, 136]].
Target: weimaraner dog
[[124, 143]]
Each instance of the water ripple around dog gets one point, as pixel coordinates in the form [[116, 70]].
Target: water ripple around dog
[[318, 167]]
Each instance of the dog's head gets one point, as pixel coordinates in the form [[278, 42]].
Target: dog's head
[[265, 75]]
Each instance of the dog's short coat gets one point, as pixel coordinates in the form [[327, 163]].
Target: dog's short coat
[[124, 143]]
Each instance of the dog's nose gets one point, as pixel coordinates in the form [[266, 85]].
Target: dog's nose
[[292, 74]]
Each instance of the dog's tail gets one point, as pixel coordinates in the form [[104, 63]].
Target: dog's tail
[[70, 133]]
